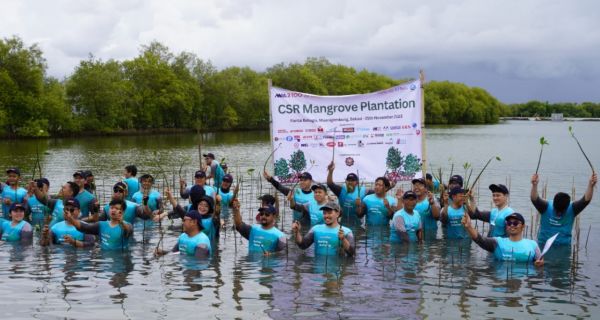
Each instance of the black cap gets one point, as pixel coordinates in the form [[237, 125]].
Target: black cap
[[428, 176], [499, 188], [228, 178], [120, 185], [147, 176], [409, 194], [88, 173], [17, 206], [419, 180], [200, 174], [455, 191], [41, 181], [456, 178], [14, 170], [268, 209], [306, 175], [79, 173], [351, 177], [71, 202], [209, 155], [515, 215], [195, 215], [318, 186], [269, 199]]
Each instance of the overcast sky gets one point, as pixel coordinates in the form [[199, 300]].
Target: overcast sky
[[517, 50]]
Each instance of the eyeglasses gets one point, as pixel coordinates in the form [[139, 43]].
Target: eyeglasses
[[513, 223], [69, 209]]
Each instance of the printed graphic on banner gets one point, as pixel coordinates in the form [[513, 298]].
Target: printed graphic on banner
[[373, 135]]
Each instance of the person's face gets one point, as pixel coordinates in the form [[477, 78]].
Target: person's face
[[514, 227], [12, 178], [203, 207], [208, 160], [225, 184], [200, 181], [44, 188], [458, 199], [351, 184], [70, 211], [409, 203], [379, 187], [147, 183], [116, 213], [419, 189], [320, 195], [499, 199], [189, 224], [79, 180], [126, 174], [118, 193], [17, 215], [89, 179], [305, 183], [266, 218], [67, 191], [330, 216]]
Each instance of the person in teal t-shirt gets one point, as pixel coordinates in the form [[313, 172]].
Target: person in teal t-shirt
[[379, 207], [216, 171], [263, 237], [192, 242], [348, 195], [87, 201], [407, 225], [511, 248], [497, 215], [133, 185], [65, 232], [10, 192]]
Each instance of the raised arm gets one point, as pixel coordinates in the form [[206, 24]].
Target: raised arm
[[337, 190], [540, 204], [488, 244], [275, 183]]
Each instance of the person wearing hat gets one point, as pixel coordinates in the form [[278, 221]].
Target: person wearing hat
[[37, 209], [302, 196], [406, 224], [65, 232], [16, 229], [90, 184], [199, 180], [205, 205], [192, 242], [451, 214], [132, 209], [263, 237], [225, 195], [55, 204], [311, 210], [456, 181], [427, 207], [558, 216], [495, 217], [10, 192], [114, 234], [330, 238], [347, 195], [433, 185], [87, 200], [378, 207], [147, 196], [133, 185], [216, 171], [511, 248]]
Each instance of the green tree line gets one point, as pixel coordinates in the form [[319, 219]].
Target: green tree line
[[545, 109], [159, 89]]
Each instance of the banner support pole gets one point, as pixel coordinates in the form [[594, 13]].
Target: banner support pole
[[423, 142], [270, 85]]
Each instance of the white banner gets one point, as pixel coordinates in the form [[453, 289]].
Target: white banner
[[372, 134]]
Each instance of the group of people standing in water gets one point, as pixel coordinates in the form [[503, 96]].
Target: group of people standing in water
[[322, 213]]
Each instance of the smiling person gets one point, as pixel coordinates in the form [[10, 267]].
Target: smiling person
[[114, 234], [451, 215], [16, 229], [558, 216], [133, 185], [205, 205], [427, 207], [329, 238], [37, 209], [147, 196], [216, 171], [55, 205], [262, 237], [225, 195], [407, 225], [192, 242], [302, 196], [65, 232], [511, 248], [347, 195], [132, 209], [87, 200], [11, 192], [497, 216], [378, 207], [199, 180], [312, 209]]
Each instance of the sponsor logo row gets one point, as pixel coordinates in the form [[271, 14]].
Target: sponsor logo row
[[351, 129]]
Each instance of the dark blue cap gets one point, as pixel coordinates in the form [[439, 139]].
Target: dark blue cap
[[13, 170], [515, 215], [306, 176], [499, 188], [71, 202], [17, 206], [200, 174], [456, 178], [409, 194], [268, 209], [195, 215]]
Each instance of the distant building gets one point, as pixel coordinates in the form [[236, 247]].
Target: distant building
[[556, 117]]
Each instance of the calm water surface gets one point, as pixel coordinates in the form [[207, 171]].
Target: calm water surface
[[435, 280]]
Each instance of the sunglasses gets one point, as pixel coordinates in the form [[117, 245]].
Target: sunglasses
[[513, 223], [69, 209]]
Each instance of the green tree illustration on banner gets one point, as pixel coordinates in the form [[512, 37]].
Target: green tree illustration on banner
[[412, 164], [394, 160], [298, 161], [282, 169]]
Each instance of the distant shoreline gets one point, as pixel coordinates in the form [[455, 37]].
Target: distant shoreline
[[548, 119]]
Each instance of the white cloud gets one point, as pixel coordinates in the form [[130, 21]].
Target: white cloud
[[526, 40]]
